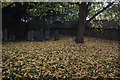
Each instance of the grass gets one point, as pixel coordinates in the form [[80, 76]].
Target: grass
[[60, 59]]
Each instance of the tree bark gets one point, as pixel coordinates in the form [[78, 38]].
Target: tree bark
[[83, 12]]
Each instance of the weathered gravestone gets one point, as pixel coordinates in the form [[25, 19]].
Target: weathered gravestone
[[36, 34], [1, 35], [5, 35], [11, 37], [30, 36], [56, 28], [39, 35], [51, 33], [47, 36], [56, 35]]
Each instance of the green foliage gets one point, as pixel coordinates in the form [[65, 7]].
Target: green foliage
[[49, 12], [68, 11], [112, 13], [4, 4]]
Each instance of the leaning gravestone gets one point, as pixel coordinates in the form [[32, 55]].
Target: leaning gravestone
[[56, 35]]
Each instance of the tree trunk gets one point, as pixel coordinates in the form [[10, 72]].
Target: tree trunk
[[80, 33], [83, 12]]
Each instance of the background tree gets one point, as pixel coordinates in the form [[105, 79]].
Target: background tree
[[48, 13]]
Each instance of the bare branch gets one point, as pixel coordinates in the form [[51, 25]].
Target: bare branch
[[100, 11]]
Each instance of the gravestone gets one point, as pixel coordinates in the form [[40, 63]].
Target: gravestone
[[30, 36], [10, 37], [42, 35], [36, 35], [13, 37], [51, 33], [0, 35], [5, 35], [56, 35], [47, 36], [39, 35]]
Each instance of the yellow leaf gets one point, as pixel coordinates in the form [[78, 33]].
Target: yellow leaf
[[17, 75]]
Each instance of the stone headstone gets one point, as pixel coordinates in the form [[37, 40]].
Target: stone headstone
[[10, 37], [56, 35], [36, 35], [51, 33], [13, 37], [39, 35], [5, 35], [30, 36], [0, 35], [47, 36]]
